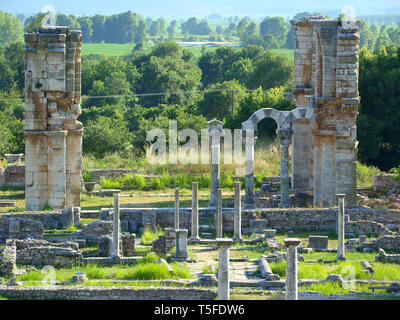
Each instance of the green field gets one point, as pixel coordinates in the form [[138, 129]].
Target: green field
[[114, 49]]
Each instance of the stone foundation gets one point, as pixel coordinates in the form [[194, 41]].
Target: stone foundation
[[165, 243], [127, 245], [41, 253], [106, 293], [8, 259]]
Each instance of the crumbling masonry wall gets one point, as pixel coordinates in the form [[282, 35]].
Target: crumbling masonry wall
[[326, 77], [53, 149]]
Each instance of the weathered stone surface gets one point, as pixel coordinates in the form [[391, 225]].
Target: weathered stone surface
[[8, 259], [42, 253], [384, 182], [390, 242], [53, 137], [266, 271], [12, 227], [106, 293], [390, 258], [96, 229], [318, 242], [165, 242]]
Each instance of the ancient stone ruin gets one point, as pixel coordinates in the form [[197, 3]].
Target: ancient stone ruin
[[322, 130], [53, 149]]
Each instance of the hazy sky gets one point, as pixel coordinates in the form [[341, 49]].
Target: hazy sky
[[201, 8]]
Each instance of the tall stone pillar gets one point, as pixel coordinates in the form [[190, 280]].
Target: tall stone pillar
[[291, 269], [218, 216], [340, 228], [176, 209], [215, 131], [285, 139], [223, 246], [195, 213], [53, 147], [249, 173], [237, 214], [116, 229]]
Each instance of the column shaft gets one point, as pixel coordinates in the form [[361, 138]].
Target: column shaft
[[237, 213], [115, 243]]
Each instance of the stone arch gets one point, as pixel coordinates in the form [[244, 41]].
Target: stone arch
[[284, 120]]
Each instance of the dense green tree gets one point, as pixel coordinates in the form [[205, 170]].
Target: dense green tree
[[10, 28], [271, 70], [86, 28], [219, 102], [172, 30], [104, 135], [168, 75], [379, 114], [275, 26]]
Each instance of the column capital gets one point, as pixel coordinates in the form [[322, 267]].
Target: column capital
[[223, 243], [292, 242], [341, 195]]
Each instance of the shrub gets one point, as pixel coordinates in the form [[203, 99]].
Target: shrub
[[110, 183], [149, 236]]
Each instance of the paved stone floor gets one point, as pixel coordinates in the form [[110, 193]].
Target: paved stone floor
[[237, 270]]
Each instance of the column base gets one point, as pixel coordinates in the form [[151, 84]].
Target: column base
[[194, 240], [341, 258], [116, 259], [237, 238]]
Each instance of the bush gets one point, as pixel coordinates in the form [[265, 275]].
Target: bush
[[149, 236], [110, 183]]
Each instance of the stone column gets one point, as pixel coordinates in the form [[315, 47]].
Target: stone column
[[249, 178], [340, 228], [218, 215], [285, 139], [291, 269], [223, 268], [195, 213], [215, 131], [237, 214], [176, 209], [181, 253], [116, 231]]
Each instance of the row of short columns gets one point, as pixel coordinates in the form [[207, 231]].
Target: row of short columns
[[218, 216]]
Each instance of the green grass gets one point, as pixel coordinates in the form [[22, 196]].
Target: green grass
[[149, 236], [348, 269], [334, 288], [145, 269], [111, 49]]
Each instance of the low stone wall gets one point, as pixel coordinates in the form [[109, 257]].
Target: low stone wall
[[93, 231], [126, 245], [50, 220], [389, 242], [108, 173], [13, 176], [8, 259], [106, 293], [16, 227], [370, 221], [42, 253], [384, 182]]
